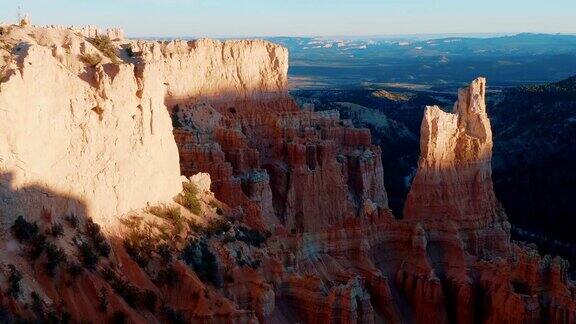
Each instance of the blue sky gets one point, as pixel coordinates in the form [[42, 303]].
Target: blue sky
[[241, 18]]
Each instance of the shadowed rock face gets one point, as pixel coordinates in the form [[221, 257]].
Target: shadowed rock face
[[292, 223]]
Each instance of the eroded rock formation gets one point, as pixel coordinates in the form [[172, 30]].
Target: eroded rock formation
[[453, 183], [99, 134]]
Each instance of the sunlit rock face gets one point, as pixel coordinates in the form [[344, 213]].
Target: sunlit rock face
[[215, 70], [100, 134], [454, 178]]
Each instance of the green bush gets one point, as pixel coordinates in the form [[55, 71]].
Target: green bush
[[189, 198], [73, 221], [104, 45], [171, 214], [197, 255], [93, 231], [91, 59], [37, 245], [57, 230], [88, 257], [74, 269], [55, 257], [250, 236], [140, 245], [126, 290], [23, 230]]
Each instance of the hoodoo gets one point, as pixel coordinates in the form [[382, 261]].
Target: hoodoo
[[453, 183], [284, 217]]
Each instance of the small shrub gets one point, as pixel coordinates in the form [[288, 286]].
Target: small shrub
[[91, 59], [74, 269], [215, 205], [14, 279], [103, 300], [57, 230], [167, 277], [148, 300], [171, 214], [88, 257], [72, 221], [165, 252], [94, 232], [37, 305], [104, 45], [55, 256], [189, 198], [23, 230], [91, 229], [140, 245], [250, 236], [198, 256], [38, 244]]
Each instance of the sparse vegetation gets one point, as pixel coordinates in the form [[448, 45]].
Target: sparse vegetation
[[98, 239], [57, 230], [250, 236], [165, 252], [91, 59], [148, 300], [171, 214], [37, 245], [198, 256], [55, 257], [23, 230], [175, 119], [189, 198], [216, 206], [88, 257], [103, 300], [5, 30], [104, 45], [14, 279], [140, 245], [74, 269], [72, 221], [168, 277], [123, 288]]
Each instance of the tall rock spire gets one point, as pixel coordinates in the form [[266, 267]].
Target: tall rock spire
[[454, 178]]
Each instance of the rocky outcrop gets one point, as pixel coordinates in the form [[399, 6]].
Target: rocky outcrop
[[99, 134], [454, 178], [283, 165], [221, 71]]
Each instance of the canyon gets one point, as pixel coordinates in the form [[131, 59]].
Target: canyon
[[210, 196]]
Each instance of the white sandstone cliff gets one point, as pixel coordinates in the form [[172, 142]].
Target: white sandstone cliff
[[97, 140]]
